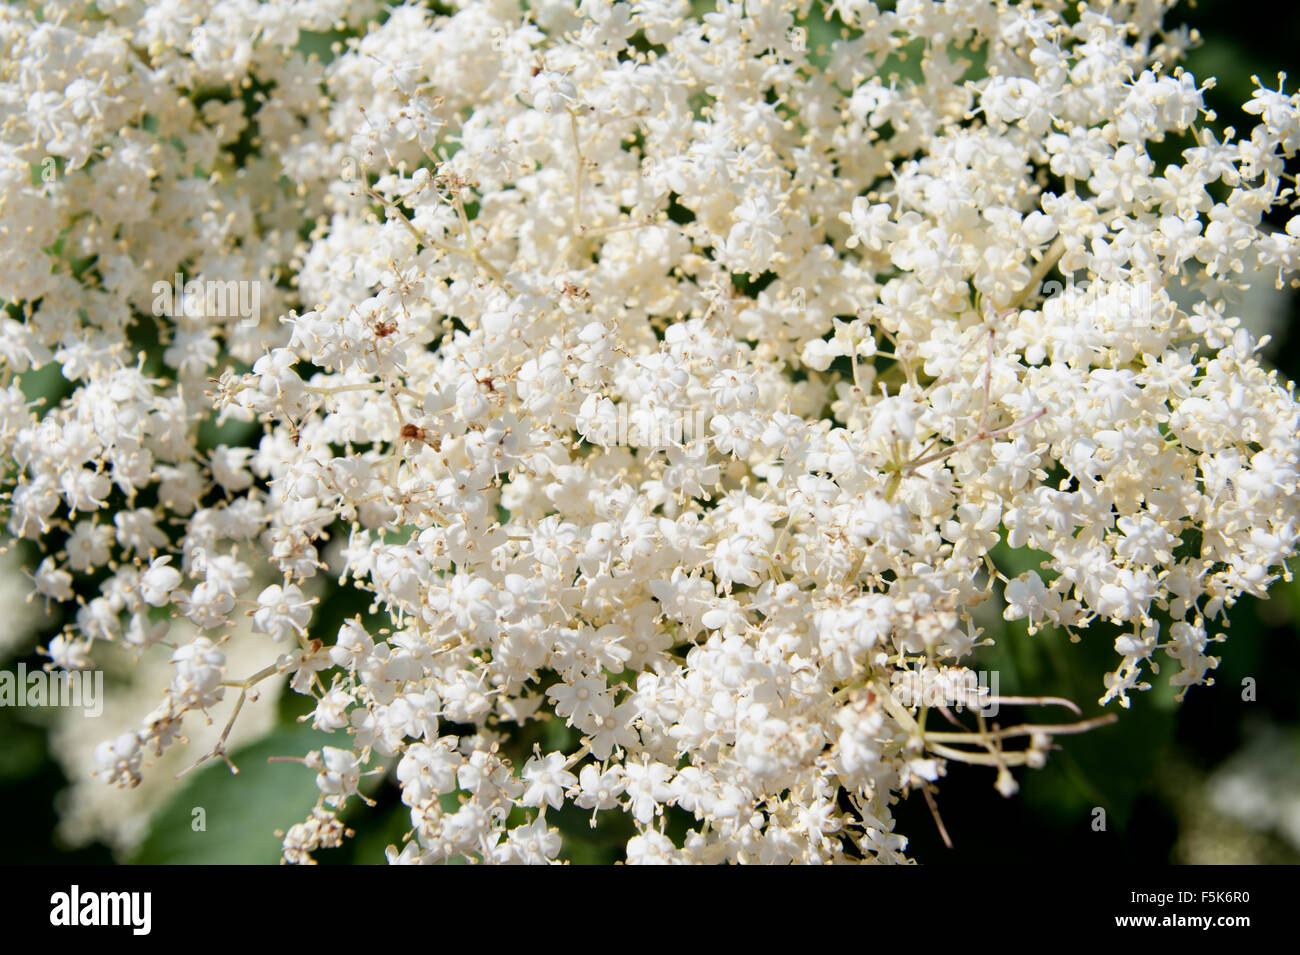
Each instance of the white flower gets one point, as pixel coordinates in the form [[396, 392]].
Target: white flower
[[199, 669], [650, 848], [546, 780], [158, 582], [282, 612], [679, 409], [647, 789], [119, 760], [340, 773]]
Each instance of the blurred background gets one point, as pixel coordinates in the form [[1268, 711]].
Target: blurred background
[[1213, 780]]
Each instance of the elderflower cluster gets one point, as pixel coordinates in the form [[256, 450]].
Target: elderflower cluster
[[662, 378]]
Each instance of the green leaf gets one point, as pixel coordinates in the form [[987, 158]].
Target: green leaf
[[241, 812], [23, 753]]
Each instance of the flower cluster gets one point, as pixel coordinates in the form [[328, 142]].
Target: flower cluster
[[486, 236]]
